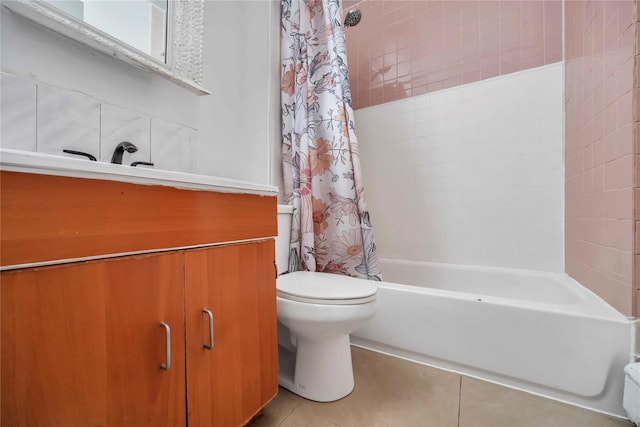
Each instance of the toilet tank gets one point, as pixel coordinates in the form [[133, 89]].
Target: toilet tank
[[285, 214]]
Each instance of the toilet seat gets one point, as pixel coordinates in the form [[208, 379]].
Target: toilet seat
[[323, 288]]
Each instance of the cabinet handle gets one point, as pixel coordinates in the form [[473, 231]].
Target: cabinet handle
[[167, 331], [210, 315]]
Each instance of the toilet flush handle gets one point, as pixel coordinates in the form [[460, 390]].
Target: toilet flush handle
[[210, 316]]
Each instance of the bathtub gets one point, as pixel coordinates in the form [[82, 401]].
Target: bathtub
[[539, 332]]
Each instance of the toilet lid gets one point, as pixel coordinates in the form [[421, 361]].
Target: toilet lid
[[307, 286]]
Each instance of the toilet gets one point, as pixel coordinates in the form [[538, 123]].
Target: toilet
[[316, 314]]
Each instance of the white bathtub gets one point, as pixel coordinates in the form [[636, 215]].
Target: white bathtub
[[540, 332]]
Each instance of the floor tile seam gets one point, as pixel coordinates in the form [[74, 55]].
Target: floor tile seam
[[328, 419], [459, 400], [332, 421], [289, 414]]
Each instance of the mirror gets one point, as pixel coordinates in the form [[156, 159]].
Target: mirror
[[142, 24], [159, 36]]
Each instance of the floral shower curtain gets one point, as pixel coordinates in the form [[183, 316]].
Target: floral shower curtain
[[331, 229]]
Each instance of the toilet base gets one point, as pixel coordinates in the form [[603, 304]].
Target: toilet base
[[319, 370]]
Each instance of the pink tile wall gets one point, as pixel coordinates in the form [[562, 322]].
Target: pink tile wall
[[599, 148], [406, 48]]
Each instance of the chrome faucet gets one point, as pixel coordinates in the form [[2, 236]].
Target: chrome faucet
[[120, 149]]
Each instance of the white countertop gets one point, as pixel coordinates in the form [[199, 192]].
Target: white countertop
[[48, 164]]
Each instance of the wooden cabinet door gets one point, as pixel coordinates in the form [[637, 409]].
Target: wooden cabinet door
[[229, 384], [53, 346], [82, 344], [141, 293]]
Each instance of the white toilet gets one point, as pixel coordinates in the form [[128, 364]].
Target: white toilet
[[316, 314]]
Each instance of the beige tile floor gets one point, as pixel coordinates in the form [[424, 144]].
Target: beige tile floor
[[394, 392]]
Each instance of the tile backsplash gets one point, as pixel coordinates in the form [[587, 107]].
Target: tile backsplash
[[173, 146], [471, 174], [66, 120], [119, 125], [38, 117], [17, 113]]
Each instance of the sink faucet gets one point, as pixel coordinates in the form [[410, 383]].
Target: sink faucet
[[120, 149]]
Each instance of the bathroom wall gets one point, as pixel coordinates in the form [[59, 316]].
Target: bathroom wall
[[407, 48], [94, 97], [471, 144], [57, 93], [28, 50], [636, 195], [599, 182], [240, 121], [471, 174]]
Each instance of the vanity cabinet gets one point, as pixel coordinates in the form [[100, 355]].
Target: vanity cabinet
[[229, 383], [83, 341], [82, 344]]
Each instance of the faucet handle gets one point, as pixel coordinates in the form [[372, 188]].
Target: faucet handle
[[134, 164], [80, 153]]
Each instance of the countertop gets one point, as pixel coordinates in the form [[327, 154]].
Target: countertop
[[48, 164]]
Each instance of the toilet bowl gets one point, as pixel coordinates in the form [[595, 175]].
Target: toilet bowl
[[316, 314]]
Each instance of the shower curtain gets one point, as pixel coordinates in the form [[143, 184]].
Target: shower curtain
[[331, 230]]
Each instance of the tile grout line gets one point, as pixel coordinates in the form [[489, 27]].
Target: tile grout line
[[459, 400], [290, 412]]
